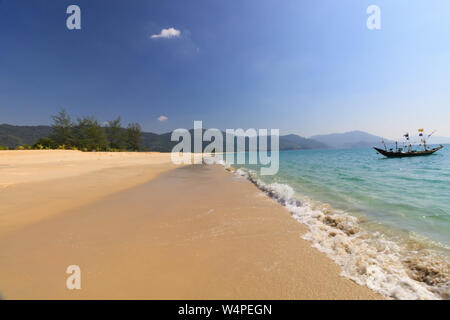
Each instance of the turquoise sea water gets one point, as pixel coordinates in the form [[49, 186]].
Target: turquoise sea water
[[408, 194], [405, 200]]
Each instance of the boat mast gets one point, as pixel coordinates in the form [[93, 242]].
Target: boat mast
[[428, 138], [407, 141], [423, 139]]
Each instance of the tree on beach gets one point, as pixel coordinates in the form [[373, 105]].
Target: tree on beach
[[86, 134], [62, 129], [89, 135], [134, 137], [115, 134]]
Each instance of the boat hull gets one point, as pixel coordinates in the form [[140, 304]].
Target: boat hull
[[392, 154]]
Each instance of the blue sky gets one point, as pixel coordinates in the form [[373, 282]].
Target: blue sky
[[305, 67]]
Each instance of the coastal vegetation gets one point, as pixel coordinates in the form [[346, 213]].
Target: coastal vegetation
[[87, 134]]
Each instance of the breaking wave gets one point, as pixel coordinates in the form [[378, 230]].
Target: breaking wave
[[396, 269]]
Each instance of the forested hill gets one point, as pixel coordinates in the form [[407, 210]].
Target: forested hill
[[14, 136]]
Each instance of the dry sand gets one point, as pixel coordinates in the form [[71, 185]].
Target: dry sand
[[35, 185], [195, 232]]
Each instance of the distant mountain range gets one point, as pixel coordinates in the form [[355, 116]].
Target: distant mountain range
[[14, 136], [295, 142], [352, 139]]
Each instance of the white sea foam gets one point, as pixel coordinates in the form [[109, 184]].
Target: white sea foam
[[388, 267]]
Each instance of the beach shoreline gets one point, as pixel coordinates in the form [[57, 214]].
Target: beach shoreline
[[189, 232], [358, 226]]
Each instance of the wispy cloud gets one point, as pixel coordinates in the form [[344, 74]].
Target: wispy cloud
[[162, 118], [167, 34]]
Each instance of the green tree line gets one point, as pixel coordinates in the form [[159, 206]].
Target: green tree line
[[86, 134]]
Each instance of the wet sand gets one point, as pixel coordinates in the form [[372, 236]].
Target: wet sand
[[195, 232]]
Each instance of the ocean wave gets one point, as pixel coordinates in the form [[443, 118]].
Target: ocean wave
[[395, 269]]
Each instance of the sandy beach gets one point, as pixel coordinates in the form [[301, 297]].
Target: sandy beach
[[140, 227], [35, 185]]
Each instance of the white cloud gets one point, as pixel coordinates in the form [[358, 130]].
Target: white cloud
[[162, 118], [167, 34]]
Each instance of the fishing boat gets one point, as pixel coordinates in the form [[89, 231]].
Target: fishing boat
[[400, 154], [409, 151]]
